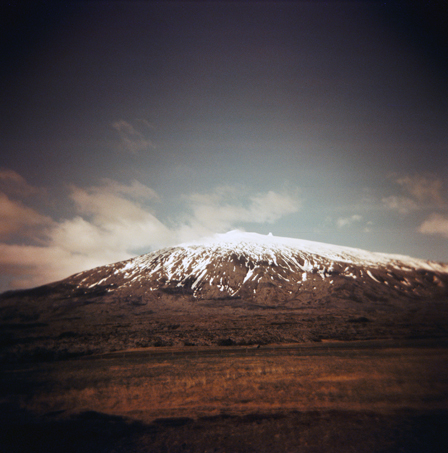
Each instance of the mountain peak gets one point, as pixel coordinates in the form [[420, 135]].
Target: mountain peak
[[269, 242], [235, 237], [254, 266]]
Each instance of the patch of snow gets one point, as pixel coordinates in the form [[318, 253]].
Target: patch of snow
[[287, 258], [249, 274], [259, 242], [99, 282], [372, 277]]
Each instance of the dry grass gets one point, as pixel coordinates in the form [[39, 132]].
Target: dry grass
[[146, 385]]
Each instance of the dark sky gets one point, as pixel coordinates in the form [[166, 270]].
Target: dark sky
[[128, 126]]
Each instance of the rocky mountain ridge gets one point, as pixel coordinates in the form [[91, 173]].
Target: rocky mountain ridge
[[237, 288], [255, 267]]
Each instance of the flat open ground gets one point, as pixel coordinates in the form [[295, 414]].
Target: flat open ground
[[365, 396]]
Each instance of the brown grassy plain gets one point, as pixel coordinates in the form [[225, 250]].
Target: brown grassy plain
[[331, 396]]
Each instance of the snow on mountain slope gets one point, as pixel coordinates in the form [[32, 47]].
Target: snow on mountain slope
[[329, 251], [237, 287], [250, 265]]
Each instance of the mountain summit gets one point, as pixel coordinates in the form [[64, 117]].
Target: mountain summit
[[267, 269]]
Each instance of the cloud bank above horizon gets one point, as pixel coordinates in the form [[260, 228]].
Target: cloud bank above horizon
[[112, 221], [129, 126]]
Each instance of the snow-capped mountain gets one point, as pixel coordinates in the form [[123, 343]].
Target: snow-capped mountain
[[235, 288], [267, 269]]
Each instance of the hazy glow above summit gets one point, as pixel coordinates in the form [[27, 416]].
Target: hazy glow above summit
[[130, 126]]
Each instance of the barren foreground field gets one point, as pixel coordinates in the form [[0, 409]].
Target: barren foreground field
[[360, 396]]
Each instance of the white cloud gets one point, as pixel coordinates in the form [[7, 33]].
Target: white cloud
[[133, 140], [16, 219], [114, 221], [136, 189], [419, 192], [422, 188], [435, 224], [29, 265], [403, 205], [14, 184], [342, 222], [113, 202], [422, 193], [111, 218], [228, 207], [271, 206], [110, 224]]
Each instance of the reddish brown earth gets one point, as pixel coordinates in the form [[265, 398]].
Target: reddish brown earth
[[126, 359], [371, 396]]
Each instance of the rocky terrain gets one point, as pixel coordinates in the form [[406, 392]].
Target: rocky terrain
[[234, 289]]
